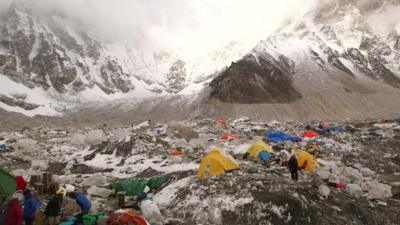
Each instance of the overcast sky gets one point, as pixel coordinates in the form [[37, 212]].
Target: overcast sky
[[193, 26]]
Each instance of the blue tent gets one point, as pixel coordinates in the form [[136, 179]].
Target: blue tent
[[264, 156], [278, 137], [336, 129]]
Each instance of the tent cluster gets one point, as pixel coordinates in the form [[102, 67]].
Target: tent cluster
[[217, 162], [272, 149]]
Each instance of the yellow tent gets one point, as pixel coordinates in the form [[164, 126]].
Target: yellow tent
[[256, 148], [216, 163], [306, 161]]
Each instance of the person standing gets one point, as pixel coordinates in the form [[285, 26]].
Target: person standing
[[14, 212], [31, 205], [293, 167], [53, 208]]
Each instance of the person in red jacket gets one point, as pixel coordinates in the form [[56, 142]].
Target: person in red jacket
[[14, 212]]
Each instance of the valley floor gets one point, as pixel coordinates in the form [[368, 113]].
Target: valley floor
[[364, 155]]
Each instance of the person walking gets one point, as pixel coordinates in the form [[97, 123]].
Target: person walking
[[53, 208], [14, 211], [31, 206]]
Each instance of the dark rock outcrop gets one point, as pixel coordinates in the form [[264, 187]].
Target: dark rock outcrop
[[254, 80]]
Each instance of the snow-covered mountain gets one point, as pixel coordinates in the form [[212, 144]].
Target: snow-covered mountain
[[341, 46], [67, 62]]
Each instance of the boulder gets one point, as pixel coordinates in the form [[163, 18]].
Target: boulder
[[182, 131], [39, 165], [99, 192], [353, 175], [26, 148], [78, 139], [151, 212], [120, 134], [180, 143], [354, 189], [324, 191], [95, 179], [63, 179], [366, 172], [344, 179], [69, 188], [333, 178], [198, 143], [324, 175], [95, 137], [379, 191]]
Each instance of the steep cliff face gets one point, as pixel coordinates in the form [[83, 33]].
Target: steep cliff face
[[255, 79], [42, 52], [335, 46]]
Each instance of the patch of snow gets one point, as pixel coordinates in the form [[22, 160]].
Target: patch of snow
[[35, 96], [168, 194]]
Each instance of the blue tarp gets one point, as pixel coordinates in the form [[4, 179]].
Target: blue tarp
[[336, 129], [278, 137], [331, 129], [3, 146]]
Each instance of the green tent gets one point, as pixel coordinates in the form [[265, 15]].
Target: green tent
[[136, 186], [8, 184]]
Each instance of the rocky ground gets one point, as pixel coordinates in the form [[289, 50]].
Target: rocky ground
[[365, 157]]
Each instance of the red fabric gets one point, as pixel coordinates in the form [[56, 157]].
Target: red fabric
[[310, 134], [228, 136], [129, 217], [222, 122], [340, 186], [176, 153], [21, 183], [14, 213]]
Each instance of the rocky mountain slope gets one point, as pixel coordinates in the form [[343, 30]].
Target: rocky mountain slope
[[69, 62], [336, 46]]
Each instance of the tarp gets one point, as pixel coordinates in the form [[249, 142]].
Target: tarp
[[8, 184], [127, 217], [256, 148], [306, 161], [136, 186], [3, 146], [70, 221], [336, 129], [91, 219], [278, 137], [228, 136], [216, 163], [310, 134]]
